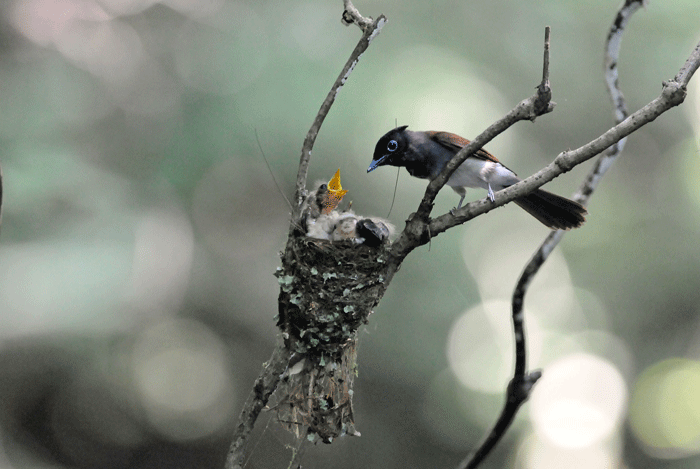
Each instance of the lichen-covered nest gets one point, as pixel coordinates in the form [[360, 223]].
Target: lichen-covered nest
[[327, 291]]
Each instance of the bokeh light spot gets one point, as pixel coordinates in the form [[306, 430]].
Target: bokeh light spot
[[163, 251], [580, 400], [537, 453], [437, 101], [665, 408], [180, 370]]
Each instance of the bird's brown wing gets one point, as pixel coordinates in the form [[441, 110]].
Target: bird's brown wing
[[455, 143]]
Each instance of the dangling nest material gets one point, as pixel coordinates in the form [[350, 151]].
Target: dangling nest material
[[327, 291], [316, 396]]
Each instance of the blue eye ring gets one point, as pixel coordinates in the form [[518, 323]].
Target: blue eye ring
[[393, 145]]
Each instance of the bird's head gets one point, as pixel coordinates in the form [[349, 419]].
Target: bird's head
[[390, 148]]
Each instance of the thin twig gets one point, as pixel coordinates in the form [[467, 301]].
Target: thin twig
[[545, 62], [612, 54], [544, 103], [370, 30], [516, 396], [522, 383], [672, 94]]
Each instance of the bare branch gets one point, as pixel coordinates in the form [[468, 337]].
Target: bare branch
[[351, 15], [419, 229], [263, 388], [612, 54], [370, 30], [545, 63], [689, 68], [521, 385], [673, 94], [516, 395], [269, 378], [529, 109]]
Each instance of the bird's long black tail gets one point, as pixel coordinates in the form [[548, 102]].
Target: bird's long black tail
[[554, 211]]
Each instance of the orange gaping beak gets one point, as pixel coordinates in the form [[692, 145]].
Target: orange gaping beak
[[335, 194]]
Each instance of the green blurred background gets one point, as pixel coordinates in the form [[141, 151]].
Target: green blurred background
[[141, 229]]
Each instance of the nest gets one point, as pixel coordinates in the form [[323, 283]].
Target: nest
[[327, 291]]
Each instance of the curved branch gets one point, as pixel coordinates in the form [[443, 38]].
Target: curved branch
[[673, 94], [516, 395], [370, 30]]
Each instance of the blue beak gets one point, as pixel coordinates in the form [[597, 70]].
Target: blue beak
[[376, 163]]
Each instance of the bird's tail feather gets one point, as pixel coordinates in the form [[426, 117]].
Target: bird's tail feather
[[555, 212]]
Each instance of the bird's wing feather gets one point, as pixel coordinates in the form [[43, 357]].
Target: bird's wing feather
[[455, 143]]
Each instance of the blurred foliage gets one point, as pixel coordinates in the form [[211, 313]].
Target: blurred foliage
[[141, 227]]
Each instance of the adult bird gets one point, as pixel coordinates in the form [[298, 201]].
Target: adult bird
[[425, 154]]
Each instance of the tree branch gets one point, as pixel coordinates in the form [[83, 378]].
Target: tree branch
[[673, 94], [370, 30], [269, 378], [419, 228], [521, 385], [263, 388]]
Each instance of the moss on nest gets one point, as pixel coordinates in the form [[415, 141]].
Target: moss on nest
[[327, 291]]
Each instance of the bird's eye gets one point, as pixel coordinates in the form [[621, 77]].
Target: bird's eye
[[392, 145]]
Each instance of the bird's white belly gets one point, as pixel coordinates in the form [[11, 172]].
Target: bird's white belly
[[479, 173]]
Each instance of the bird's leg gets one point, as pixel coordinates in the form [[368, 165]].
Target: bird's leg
[[454, 209], [491, 196]]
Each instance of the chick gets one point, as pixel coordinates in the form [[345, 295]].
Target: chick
[[321, 220]]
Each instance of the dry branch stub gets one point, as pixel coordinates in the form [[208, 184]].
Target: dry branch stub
[[327, 291]]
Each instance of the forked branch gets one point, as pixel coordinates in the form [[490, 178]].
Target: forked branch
[[672, 95]]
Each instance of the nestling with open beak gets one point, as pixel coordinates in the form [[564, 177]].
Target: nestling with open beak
[[425, 154], [321, 220]]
